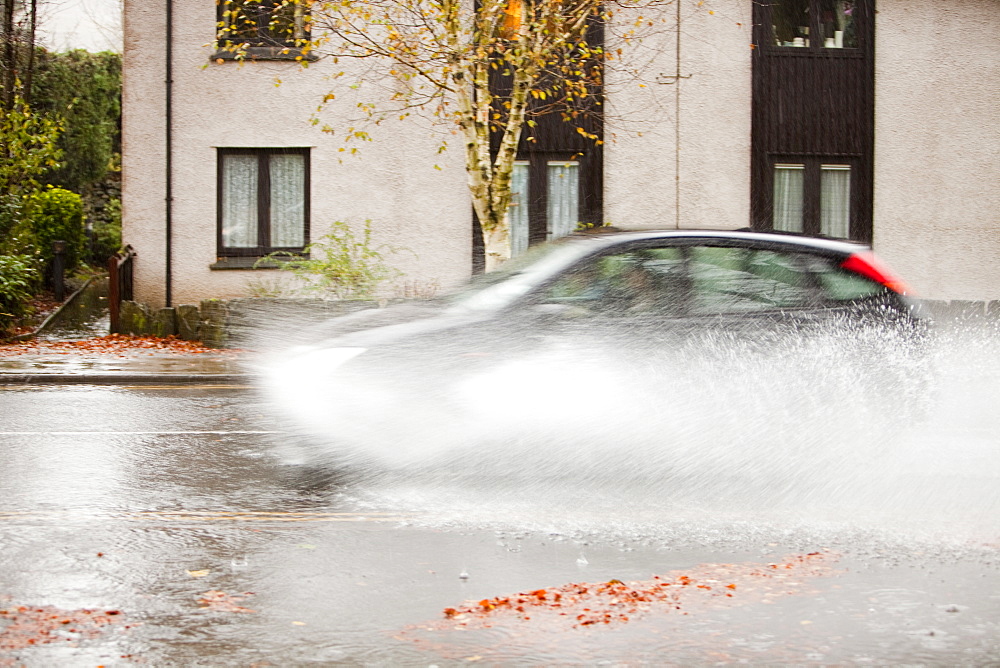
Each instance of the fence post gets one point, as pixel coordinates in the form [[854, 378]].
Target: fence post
[[114, 295], [120, 273]]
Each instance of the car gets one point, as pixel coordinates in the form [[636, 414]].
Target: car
[[609, 320]]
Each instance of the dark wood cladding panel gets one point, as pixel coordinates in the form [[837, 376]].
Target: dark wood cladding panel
[[814, 105]]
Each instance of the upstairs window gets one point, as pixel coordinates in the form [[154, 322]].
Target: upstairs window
[[263, 200], [271, 24], [814, 24]]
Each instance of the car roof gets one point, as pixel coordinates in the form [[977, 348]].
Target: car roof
[[615, 237]]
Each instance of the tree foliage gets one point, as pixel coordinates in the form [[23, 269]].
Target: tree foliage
[[27, 149], [484, 67], [85, 88]]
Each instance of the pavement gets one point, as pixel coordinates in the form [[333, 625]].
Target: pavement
[[136, 368], [84, 315]]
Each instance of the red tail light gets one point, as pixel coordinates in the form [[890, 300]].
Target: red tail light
[[869, 266]]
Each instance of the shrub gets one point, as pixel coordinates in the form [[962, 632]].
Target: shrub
[[107, 231], [57, 214], [340, 264], [19, 277]]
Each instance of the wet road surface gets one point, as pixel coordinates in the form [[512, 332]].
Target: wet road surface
[[164, 506]]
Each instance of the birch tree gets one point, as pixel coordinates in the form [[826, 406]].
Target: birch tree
[[484, 67]]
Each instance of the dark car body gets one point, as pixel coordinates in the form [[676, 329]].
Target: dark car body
[[634, 300]]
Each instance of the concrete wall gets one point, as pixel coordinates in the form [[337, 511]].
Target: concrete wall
[[937, 145], [393, 181]]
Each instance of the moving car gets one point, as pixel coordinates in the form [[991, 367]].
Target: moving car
[[561, 318]]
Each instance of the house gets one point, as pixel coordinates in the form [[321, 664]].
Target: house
[[874, 120]]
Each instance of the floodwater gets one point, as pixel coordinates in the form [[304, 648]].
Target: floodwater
[[169, 507], [85, 315]]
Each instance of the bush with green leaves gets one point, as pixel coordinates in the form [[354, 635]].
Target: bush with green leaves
[[340, 264], [27, 149], [18, 283], [107, 232], [57, 215]]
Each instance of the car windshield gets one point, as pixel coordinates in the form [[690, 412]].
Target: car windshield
[[515, 277]]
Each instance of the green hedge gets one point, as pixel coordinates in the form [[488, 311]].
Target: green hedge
[[57, 214], [18, 283]]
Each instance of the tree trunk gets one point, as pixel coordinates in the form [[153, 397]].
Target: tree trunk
[[9, 66], [30, 67]]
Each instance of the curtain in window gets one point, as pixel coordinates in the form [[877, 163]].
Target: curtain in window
[[788, 184], [563, 198], [835, 201], [288, 178], [517, 214], [239, 201]]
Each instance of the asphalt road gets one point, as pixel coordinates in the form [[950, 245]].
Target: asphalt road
[[165, 507]]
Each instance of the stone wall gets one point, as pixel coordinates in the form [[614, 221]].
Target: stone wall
[[233, 323]]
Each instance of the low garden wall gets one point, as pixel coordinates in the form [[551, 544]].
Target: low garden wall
[[233, 323]]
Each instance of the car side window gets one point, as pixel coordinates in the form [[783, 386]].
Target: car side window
[[746, 280], [649, 281]]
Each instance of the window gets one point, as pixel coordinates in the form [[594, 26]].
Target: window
[[812, 197], [267, 29], [551, 187], [744, 280], [517, 213], [692, 281], [563, 201], [813, 24], [263, 200]]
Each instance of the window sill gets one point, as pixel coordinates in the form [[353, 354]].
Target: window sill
[[246, 262], [254, 53]]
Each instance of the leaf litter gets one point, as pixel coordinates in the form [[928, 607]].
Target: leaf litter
[[121, 345], [26, 626], [582, 604]]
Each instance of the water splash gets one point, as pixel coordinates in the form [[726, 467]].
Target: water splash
[[846, 426]]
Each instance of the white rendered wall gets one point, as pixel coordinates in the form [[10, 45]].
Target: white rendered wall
[[393, 181], [937, 145], [696, 127]]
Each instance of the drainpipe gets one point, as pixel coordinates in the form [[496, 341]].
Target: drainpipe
[[168, 147], [677, 126]]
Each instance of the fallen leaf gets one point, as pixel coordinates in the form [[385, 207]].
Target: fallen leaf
[[199, 574], [220, 601]]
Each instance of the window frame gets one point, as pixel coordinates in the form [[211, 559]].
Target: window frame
[[263, 155]]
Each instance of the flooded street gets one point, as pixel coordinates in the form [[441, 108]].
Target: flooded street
[[164, 506], [158, 525]]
